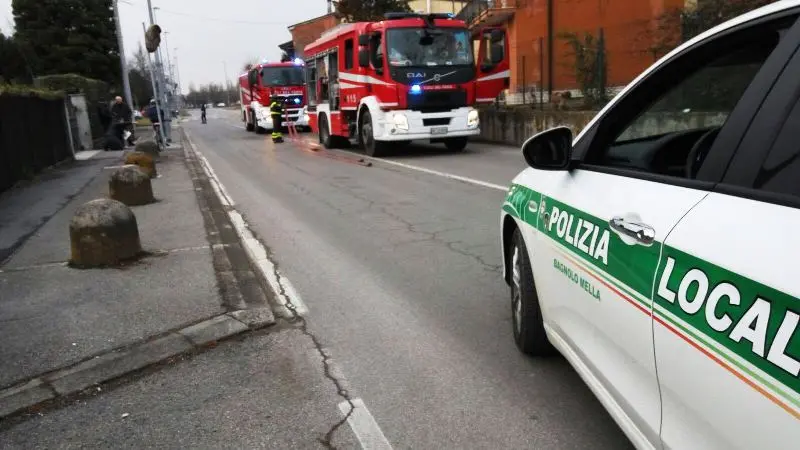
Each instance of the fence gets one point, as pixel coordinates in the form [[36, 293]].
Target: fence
[[33, 136]]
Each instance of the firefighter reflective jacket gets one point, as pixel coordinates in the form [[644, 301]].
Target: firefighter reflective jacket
[[276, 108]]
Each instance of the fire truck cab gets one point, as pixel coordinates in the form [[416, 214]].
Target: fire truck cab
[[409, 77], [261, 82]]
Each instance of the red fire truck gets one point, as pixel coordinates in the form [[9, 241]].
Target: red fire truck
[[408, 77], [261, 82]]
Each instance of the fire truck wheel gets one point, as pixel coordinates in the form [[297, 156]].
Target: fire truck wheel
[[324, 132], [371, 146], [248, 123], [456, 144]]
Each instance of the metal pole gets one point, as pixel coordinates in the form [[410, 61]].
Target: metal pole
[[126, 81], [541, 73], [227, 83], [178, 79], [155, 91], [523, 81]]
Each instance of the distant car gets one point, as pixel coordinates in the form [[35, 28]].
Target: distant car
[[137, 115], [654, 251], [220, 105]]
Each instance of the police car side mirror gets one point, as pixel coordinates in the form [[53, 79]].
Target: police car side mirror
[[363, 58], [549, 150]]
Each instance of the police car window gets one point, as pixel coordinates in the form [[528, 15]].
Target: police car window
[[780, 171], [674, 115]]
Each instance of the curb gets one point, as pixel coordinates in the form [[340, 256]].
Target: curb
[[109, 366]]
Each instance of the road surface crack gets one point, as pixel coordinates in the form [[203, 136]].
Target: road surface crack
[[327, 366]]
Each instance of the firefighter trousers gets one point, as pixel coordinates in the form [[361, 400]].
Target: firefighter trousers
[[277, 121]]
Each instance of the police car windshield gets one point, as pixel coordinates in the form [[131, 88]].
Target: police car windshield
[[429, 47], [282, 76]]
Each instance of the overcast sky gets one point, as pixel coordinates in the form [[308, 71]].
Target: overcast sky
[[210, 32]]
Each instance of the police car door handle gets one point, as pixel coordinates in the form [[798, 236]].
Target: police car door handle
[[641, 232]]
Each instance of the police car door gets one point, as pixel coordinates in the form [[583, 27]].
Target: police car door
[[606, 219], [727, 292]]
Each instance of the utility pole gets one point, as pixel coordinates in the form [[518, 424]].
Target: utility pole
[[126, 82], [178, 79], [227, 83], [165, 121]]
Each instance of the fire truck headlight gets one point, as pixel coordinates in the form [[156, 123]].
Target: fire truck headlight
[[473, 119], [401, 121]]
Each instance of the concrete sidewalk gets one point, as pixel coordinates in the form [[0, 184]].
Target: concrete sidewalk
[[64, 329]]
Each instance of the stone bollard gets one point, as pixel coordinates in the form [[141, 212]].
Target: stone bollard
[[131, 186], [149, 147], [103, 232], [144, 161]]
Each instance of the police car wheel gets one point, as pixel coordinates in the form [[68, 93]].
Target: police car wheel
[[526, 315]]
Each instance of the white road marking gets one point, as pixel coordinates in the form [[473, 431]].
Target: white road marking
[[451, 176], [284, 290], [364, 426]]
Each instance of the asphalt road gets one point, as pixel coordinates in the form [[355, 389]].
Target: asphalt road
[[400, 270]]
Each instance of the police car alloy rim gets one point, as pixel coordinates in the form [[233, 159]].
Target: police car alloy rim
[[516, 293]]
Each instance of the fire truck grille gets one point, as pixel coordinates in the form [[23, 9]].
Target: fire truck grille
[[437, 101]]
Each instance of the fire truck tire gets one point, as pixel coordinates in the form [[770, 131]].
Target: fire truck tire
[[248, 123], [324, 132], [367, 138], [456, 144]]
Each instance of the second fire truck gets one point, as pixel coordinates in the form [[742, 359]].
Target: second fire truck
[[261, 82], [409, 77]]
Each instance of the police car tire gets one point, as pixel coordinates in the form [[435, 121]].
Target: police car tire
[[530, 336]]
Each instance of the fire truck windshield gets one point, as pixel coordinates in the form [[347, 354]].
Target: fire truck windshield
[[429, 47], [282, 76]]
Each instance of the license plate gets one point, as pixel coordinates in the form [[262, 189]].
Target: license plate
[[439, 130]]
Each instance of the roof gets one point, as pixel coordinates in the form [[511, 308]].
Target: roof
[[286, 46], [315, 19]]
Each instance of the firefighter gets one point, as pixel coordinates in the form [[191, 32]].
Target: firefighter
[[276, 111]]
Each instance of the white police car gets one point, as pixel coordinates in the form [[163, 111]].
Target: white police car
[[658, 251]]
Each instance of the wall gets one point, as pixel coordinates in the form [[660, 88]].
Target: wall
[[307, 32], [515, 125], [629, 29], [437, 6]]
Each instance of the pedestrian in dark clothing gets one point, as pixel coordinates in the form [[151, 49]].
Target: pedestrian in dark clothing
[[121, 118], [203, 113], [152, 112], [104, 113]]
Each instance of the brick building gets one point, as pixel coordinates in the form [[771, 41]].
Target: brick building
[[540, 52], [304, 33], [437, 6]]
